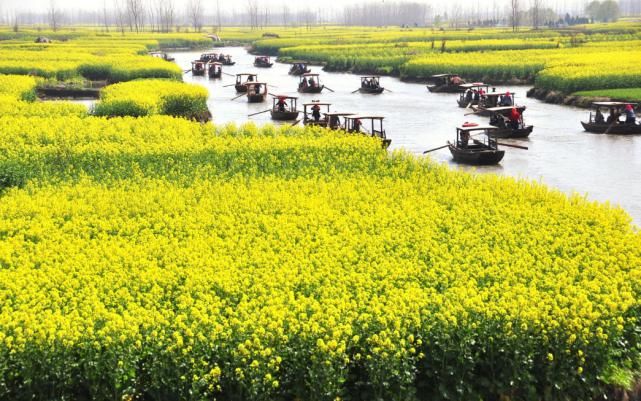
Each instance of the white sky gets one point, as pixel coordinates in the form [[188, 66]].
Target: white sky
[[240, 4]]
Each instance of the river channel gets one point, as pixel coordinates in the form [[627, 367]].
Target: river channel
[[606, 168]]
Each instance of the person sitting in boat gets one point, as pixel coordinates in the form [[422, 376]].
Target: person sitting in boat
[[456, 80], [257, 88], [506, 100], [357, 125], [477, 96], [316, 112], [630, 117], [599, 118], [515, 118], [468, 95], [281, 104], [311, 83], [221, 57], [250, 79], [613, 117], [464, 139], [334, 122]]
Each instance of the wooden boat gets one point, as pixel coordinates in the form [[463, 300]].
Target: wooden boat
[[226, 60], [494, 99], [310, 83], [472, 94], [263, 62], [256, 92], [215, 70], [500, 119], [282, 111], [310, 119], [198, 68], [161, 55], [242, 80], [612, 125], [479, 152], [209, 57], [360, 124], [334, 120], [445, 83], [371, 85], [299, 68]]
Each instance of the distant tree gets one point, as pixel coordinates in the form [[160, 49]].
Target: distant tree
[[515, 17], [53, 15], [604, 11], [105, 16], [610, 10], [195, 12], [286, 15], [536, 11]]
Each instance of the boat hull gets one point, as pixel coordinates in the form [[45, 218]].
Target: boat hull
[[284, 115], [617, 129], [371, 91], [309, 89], [241, 88], [263, 65], [464, 104], [214, 75], [255, 98], [313, 123], [299, 73], [444, 89], [198, 73], [476, 156], [513, 133]]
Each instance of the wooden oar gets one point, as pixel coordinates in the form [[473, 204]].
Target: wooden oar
[[260, 112], [244, 94], [505, 144], [227, 86], [615, 122], [329, 89], [474, 112], [439, 148], [468, 105], [356, 90], [388, 90], [295, 123], [512, 146], [186, 71], [229, 74]]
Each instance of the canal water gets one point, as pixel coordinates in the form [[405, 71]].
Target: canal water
[[561, 154]]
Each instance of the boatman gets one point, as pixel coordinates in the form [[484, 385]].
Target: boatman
[[630, 117], [599, 118], [316, 112], [357, 125], [281, 104], [515, 118]]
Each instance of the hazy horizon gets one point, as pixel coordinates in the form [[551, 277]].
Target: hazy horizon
[[240, 6]]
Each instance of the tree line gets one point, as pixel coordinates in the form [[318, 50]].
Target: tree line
[[167, 15]]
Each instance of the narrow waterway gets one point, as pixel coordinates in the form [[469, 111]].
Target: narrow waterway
[[561, 154]]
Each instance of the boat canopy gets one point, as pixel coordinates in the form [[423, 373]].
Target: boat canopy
[[365, 117], [444, 75], [612, 104], [505, 108], [317, 103], [475, 85], [499, 94], [476, 128]]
